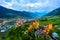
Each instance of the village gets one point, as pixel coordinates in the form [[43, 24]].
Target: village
[[4, 24]]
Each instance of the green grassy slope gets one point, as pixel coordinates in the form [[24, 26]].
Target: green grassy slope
[[19, 33]]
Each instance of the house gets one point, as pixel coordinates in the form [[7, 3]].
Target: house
[[0, 25]]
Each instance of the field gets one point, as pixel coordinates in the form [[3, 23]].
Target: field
[[20, 34]]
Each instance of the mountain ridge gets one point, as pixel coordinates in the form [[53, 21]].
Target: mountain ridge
[[55, 12], [9, 13]]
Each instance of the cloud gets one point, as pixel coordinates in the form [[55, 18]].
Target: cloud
[[31, 5], [23, 3], [6, 4], [35, 4]]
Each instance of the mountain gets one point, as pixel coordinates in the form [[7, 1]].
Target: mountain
[[55, 12], [9, 13]]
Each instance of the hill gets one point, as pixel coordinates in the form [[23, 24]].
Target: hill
[[9, 13], [55, 12]]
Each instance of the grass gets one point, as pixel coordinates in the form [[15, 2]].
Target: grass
[[18, 33], [0, 36]]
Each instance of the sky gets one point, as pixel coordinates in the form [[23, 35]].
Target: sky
[[31, 5]]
